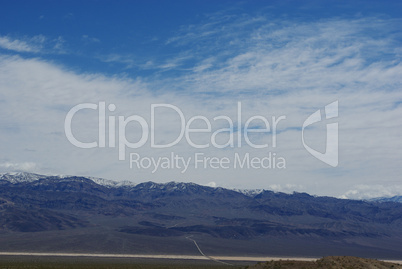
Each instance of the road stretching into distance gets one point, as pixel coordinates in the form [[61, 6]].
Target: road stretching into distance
[[202, 253]]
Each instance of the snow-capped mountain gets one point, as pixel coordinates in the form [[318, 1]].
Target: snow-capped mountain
[[18, 177]]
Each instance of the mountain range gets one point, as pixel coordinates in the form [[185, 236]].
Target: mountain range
[[81, 214]]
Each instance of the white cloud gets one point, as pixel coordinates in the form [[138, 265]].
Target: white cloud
[[211, 184], [372, 191], [59, 45], [273, 68], [87, 38], [21, 45], [327, 56], [287, 188], [116, 58], [25, 166], [34, 44]]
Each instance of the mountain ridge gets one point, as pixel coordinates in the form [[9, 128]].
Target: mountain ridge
[[18, 177], [223, 221]]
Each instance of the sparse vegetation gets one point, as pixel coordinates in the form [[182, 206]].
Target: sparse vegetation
[[332, 262], [336, 262], [25, 262]]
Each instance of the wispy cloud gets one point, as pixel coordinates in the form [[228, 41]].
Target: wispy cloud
[[35, 44], [329, 55], [117, 58], [89, 39], [32, 45]]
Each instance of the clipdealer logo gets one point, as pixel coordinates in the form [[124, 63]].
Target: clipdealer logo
[[330, 156], [236, 133]]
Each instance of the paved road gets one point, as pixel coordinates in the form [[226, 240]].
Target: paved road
[[202, 253]]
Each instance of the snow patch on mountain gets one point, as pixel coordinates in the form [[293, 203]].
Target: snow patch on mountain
[[17, 177], [112, 183], [250, 193]]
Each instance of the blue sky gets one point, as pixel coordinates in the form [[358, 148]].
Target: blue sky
[[84, 34], [277, 58]]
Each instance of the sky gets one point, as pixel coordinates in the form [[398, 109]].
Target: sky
[[152, 91]]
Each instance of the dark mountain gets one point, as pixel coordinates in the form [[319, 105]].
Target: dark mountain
[[79, 214]]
